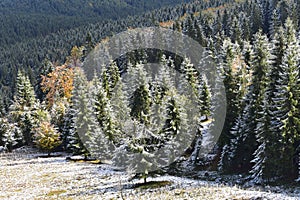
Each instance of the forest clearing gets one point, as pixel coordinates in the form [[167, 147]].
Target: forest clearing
[[25, 174]]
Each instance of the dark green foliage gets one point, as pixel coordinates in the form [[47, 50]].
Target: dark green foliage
[[140, 105], [22, 110], [232, 87], [173, 118], [205, 100], [258, 59], [24, 19], [75, 120]]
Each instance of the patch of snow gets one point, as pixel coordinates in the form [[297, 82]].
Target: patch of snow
[[30, 177]]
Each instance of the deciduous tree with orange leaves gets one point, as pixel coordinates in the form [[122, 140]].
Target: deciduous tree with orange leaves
[[59, 83]]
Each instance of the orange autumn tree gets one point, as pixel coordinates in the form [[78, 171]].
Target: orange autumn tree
[[58, 84]]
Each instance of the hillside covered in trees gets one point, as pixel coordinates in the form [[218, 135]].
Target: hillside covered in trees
[[22, 20], [254, 45]]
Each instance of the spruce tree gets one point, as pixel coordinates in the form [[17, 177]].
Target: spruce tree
[[255, 97], [10, 134], [140, 101], [275, 23], [277, 128], [205, 100], [230, 161], [235, 31], [278, 49], [232, 156], [140, 159], [265, 166], [21, 111], [120, 105], [286, 101], [244, 138], [110, 78], [232, 86], [104, 110], [72, 120]]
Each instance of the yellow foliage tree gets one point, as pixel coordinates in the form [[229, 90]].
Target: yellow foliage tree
[[47, 137]]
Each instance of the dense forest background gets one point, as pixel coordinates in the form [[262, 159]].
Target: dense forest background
[[255, 45], [22, 20], [33, 31]]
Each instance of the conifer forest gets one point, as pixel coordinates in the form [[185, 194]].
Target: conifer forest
[[217, 119]]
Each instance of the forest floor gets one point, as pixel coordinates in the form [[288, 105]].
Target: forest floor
[[24, 174]]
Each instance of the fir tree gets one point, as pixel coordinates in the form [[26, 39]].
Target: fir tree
[[205, 100], [235, 31], [141, 160], [140, 101], [104, 110], [74, 129], [277, 128], [10, 134], [110, 78], [260, 66], [21, 110], [232, 84], [286, 100]]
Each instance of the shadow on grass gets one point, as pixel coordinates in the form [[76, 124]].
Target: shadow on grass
[[118, 189]]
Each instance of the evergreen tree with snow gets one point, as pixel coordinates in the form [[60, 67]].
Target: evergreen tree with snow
[[275, 22], [67, 128], [231, 161], [102, 135], [120, 106], [232, 152], [205, 99], [140, 159], [232, 83], [191, 75], [104, 110], [235, 31], [198, 105], [265, 160], [110, 77], [277, 128], [10, 134], [22, 108], [260, 66], [286, 102], [177, 131], [140, 101], [173, 119], [72, 133], [278, 49], [244, 137]]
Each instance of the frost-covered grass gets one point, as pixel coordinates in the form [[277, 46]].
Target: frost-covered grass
[[24, 176]]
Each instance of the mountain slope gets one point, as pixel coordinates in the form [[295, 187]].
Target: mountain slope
[[24, 19]]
